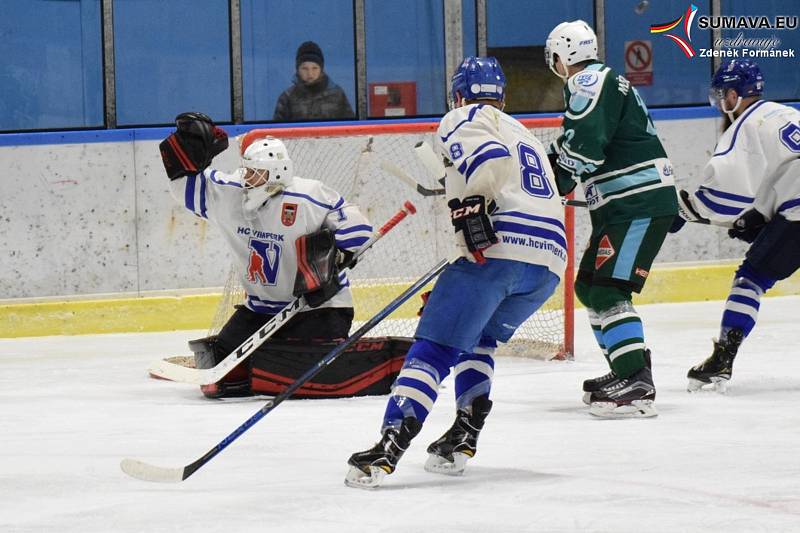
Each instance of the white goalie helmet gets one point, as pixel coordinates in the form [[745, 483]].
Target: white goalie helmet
[[573, 42], [266, 170]]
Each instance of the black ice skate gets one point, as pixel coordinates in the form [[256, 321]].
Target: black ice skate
[[595, 384], [718, 368], [450, 452], [368, 468], [630, 397]]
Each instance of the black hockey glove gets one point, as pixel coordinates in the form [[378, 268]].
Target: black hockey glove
[[345, 259], [564, 180], [677, 224], [470, 217], [192, 146], [747, 227], [686, 209]]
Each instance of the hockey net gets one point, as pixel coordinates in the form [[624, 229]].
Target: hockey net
[[347, 158]]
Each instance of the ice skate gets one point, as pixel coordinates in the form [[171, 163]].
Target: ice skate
[[630, 397], [368, 468], [715, 372], [595, 384], [449, 453]]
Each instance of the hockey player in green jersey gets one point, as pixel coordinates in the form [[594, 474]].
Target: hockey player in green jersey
[[610, 146]]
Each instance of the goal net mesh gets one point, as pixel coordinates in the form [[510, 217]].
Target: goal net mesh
[[350, 164]]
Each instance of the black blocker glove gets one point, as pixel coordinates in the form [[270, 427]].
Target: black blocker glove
[[747, 227]]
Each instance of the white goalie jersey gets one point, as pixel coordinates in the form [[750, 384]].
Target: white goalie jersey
[[263, 240], [756, 164], [495, 156]]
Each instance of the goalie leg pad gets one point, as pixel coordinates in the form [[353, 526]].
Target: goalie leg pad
[[367, 368], [211, 350]]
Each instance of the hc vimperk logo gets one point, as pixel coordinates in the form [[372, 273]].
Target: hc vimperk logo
[[686, 18], [265, 256]]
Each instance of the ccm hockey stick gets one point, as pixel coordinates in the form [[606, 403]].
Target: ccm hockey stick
[[147, 472], [206, 376], [406, 178]]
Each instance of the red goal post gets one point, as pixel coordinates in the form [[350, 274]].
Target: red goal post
[[347, 158]]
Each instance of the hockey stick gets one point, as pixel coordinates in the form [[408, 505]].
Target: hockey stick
[[398, 172], [206, 376], [147, 472], [430, 160], [406, 178]]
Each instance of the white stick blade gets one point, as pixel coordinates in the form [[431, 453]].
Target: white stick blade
[[146, 472], [182, 374], [398, 172]]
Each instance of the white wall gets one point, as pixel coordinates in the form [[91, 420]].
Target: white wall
[[98, 218]]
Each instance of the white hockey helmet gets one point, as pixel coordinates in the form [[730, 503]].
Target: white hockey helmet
[[573, 42], [267, 170]]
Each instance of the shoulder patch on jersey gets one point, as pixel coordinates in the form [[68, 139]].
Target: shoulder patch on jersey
[[584, 90], [588, 83]]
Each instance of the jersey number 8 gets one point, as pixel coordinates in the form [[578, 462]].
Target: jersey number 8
[[790, 137], [534, 177]]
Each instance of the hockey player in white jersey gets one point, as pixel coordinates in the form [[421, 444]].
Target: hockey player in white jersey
[[508, 222], [752, 181], [274, 222]]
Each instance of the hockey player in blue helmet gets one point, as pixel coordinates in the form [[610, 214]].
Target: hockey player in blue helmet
[[509, 228], [478, 78], [751, 183], [735, 86]]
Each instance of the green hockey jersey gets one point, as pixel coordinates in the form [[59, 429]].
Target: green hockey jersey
[[610, 146]]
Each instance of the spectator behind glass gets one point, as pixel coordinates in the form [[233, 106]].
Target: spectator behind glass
[[313, 95]]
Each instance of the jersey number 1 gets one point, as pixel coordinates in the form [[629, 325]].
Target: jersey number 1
[[534, 177]]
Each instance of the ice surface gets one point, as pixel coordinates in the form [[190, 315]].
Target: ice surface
[[72, 407]]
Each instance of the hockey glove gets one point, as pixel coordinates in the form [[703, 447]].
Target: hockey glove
[[677, 224], [345, 259], [472, 223], [317, 277], [747, 227], [686, 209], [564, 180], [192, 146]]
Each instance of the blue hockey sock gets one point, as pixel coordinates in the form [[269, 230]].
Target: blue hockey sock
[[474, 373], [744, 300], [416, 388]]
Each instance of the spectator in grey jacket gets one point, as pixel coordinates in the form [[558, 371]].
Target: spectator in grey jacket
[[313, 95]]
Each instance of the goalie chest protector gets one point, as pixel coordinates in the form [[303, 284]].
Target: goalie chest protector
[[367, 368]]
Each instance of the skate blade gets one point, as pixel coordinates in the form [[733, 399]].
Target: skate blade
[[635, 409], [717, 384], [358, 479], [437, 464]]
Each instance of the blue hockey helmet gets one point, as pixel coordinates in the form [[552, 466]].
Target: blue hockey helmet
[[741, 75], [478, 78]]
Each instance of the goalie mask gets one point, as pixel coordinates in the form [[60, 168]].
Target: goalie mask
[[573, 42], [266, 171]]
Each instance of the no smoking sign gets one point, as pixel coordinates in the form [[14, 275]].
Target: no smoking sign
[[639, 62]]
